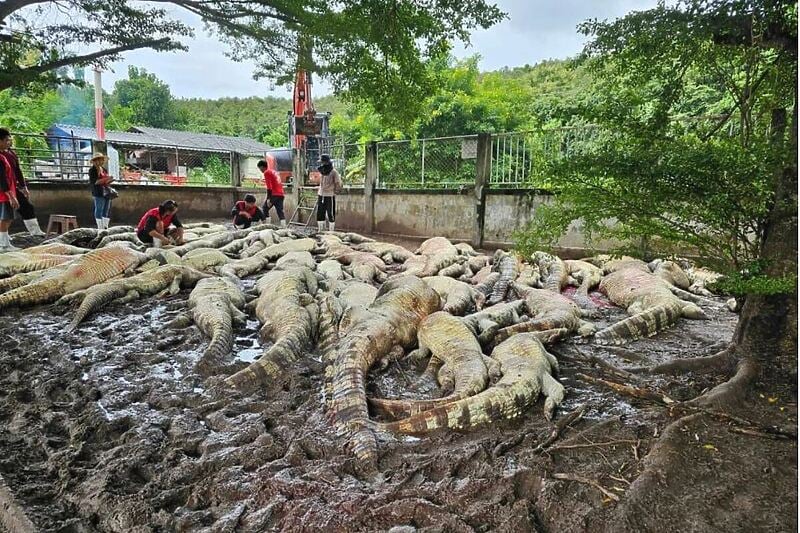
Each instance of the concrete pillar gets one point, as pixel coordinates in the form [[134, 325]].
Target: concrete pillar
[[370, 180], [483, 168]]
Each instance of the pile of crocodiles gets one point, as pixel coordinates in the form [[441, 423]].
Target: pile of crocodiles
[[480, 324]]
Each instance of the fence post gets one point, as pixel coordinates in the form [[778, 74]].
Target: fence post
[[298, 175], [370, 179], [236, 170], [483, 168]]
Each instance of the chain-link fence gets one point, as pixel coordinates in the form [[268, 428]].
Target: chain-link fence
[[437, 163], [348, 158]]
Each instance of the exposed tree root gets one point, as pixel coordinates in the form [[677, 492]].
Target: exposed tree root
[[649, 485], [591, 445], [763, 435], [733, 391], [560, 425], [718, 362], [570, 477], [629, 390]]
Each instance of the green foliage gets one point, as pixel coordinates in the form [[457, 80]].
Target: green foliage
[[148, 99], [374, 51], [753, 279], [702, 184], [214, 171]]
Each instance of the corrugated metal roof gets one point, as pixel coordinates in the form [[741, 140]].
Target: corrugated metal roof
[[146, 136]]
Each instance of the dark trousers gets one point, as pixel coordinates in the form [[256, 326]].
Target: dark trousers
[[242, 221], [25, 209], [326, 205], [277, 203]]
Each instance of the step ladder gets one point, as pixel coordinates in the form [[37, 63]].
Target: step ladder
[[306, 207]]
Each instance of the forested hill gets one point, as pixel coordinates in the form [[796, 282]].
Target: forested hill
[[256, 117]]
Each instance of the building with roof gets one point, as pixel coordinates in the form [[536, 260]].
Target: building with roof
[[161, 156]]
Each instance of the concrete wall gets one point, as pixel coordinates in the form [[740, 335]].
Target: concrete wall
[[416, 214], [425, 213]]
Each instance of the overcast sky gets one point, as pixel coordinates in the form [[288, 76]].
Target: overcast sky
[[535, 30]]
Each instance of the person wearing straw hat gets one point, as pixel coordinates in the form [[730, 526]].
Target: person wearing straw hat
[[26, 209], [99, 180]]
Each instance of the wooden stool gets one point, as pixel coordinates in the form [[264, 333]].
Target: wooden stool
[[64, 223]]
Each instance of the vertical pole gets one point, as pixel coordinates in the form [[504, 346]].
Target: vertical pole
[[423, 162], [370, 181], [483, 165], [99, 120]]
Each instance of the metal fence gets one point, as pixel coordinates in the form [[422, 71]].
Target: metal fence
[[54, 158], [436, 163], [520, 159]]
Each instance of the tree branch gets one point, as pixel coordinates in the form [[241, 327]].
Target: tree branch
[[74, 60]]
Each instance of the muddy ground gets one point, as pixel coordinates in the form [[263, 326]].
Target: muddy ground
[[109, 429]]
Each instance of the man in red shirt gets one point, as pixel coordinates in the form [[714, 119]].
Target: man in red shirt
[[274, 192], [246, 212]]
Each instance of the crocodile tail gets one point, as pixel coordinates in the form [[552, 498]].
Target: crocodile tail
[[91, 303], [39, 292], [581, 297], [221, 345], [493, 403], [272, 366], [644, 324]]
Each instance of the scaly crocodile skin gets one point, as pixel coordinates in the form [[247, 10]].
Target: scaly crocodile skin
[[647, 298], [526, 367], [394, 316], [508, 266], [90, 269], [12, 263], [464, 368], [168, 279], [290, 316], [588, 276], [457, 297], [548, 310], [216, 304]]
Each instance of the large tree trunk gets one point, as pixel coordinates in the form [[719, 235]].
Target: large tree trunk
[[766, 335]]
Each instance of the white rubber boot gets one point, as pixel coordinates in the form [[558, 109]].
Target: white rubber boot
[[331, 226], [32, 225], [156, 243], [283, 223], [5, 243], [321, 225], [106, 222], [99, 222]]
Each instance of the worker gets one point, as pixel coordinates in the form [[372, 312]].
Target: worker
[[274, 192], [100, 184], [8, 202], [25, 210], [246, 212], [154, 226], [330, 184]]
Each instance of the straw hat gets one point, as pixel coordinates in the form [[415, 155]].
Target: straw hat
[[97, 156]]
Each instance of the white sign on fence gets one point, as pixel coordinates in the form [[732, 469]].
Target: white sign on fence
[[469, 148]]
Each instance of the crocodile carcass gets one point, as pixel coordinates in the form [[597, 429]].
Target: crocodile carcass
[[402, 303], [289, 313], [526, 367], [84, 271]]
